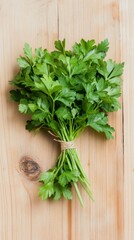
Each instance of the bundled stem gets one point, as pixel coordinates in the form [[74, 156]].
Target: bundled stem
[[67, 172]]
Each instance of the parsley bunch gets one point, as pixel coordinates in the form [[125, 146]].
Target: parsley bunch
[[65, 92]]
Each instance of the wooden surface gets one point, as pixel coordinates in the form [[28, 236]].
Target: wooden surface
[[108, 164]]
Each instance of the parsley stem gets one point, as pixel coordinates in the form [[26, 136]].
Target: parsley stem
[[78, 194], [75, 185]]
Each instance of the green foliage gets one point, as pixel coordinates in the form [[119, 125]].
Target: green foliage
[[65, 92]]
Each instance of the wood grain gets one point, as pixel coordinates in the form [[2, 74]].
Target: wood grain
[[23, 214], [102, 160], [108, 164], [127, 51]]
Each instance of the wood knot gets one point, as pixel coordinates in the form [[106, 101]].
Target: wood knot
[[30, 168]]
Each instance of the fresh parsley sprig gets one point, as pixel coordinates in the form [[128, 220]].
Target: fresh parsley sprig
[[65, 92]]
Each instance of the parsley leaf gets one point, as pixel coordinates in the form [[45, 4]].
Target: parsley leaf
[[65, 91], [28, 51]]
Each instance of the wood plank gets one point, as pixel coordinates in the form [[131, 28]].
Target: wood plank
[[127, 50], [102, 160], [23, 214]]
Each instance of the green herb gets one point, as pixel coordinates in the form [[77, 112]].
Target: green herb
[[65, 92]]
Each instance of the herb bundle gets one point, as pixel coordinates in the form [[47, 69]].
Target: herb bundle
[[65, 92]]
